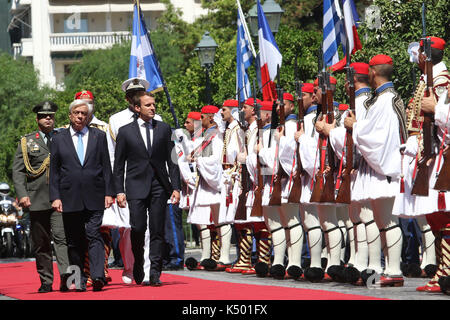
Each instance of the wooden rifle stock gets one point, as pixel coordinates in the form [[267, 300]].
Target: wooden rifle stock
[[344, 191], [275, 196], [421, 182], [443, 180], [241, 210], [329, 187], [318, 179], [257, 201], [296, 190]]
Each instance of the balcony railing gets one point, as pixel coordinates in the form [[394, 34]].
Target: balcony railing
[[86, 40]]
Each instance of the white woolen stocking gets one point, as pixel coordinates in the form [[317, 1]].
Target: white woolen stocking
[[428, 251], [273, 221], [311, 223], [373, 237]]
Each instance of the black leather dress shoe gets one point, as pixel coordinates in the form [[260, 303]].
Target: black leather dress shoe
[[154, 281], [98, 284], [138, 274], [63, 286], [45, 288]]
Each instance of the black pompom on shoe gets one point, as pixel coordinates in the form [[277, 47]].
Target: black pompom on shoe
[[278, 271], [295, 272], [191, 263], [351, 275], [209, 264], [365, 274], [314, 274], [336, 273], [261, 269], [430, 270], [414, 270]]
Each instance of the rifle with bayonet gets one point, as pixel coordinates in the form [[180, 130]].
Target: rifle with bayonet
[[421, 181], [275, 196], [257, 200], [344, 180]]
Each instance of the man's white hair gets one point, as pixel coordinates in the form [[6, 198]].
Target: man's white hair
[[80, 102]]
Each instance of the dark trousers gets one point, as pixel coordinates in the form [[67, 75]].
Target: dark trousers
[[412, 239], [151, 210], [115, 239], [83, 233], [173, 252], [47, 226]]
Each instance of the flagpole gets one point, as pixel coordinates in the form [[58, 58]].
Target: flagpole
[[166, 91]]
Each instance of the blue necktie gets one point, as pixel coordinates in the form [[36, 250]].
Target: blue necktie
[[80, 147]]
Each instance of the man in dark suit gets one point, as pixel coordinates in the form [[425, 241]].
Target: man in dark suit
[[145, 146], [81, 187], [30, 174]]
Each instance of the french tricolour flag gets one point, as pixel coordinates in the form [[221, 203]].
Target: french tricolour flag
[[351, 18], [143, 63], [269, 55]]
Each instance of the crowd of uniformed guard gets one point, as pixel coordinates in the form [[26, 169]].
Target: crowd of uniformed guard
[[321, 191]]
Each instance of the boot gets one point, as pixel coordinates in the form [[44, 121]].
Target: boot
[[245, 242]]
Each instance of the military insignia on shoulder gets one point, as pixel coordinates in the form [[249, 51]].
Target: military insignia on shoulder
[[32, 145]]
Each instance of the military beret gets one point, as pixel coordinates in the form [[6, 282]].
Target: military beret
[[231, 103], [380, 59], [194, 115], [45, 107], [84, 94], [210, 109], [436, 43], [135, 84], [360, 67]]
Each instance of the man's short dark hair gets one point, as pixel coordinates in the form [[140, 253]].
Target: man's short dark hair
[[137, 97], [436, 55], [384, 70], [362, 78]]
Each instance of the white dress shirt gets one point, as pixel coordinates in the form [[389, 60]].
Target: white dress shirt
[[85, 136], [142, 128]]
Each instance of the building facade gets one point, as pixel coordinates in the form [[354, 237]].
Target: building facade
[[53, 33]]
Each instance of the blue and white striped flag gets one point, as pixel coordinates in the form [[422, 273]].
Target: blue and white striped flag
[[143, 63], [244, 58], [333, 31]]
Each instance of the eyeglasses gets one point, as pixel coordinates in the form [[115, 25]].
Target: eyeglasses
[[45, 115]]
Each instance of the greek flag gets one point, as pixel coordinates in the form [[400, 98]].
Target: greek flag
[[244, 58], [143, 63], [333, 32]]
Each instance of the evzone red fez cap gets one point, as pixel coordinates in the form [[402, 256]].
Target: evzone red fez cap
[[436, 43], [210, 109], [266, 105], [332, 81], [194, 115], [250, 102], [360, 67], [231, 103], [308, 87], [380, 59]]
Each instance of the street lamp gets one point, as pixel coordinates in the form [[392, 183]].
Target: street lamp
[[272, 12], [206, 50]]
